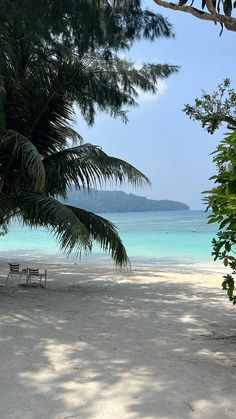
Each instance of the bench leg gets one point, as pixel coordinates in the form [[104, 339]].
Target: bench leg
[[7, 279]]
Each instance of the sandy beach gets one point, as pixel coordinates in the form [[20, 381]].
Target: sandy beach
[[104, 344]]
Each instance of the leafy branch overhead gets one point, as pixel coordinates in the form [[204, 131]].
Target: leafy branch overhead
[[221, 11]]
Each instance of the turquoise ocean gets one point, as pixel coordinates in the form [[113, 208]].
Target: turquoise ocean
[[150, 237]]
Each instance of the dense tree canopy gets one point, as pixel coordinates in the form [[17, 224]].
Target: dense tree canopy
[[61, 27], [89, 34], [36, 165], [55, 55]]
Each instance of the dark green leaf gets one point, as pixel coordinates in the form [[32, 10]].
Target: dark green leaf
[[225, 262], [227, 246]]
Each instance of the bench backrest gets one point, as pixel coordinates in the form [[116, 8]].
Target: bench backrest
[[14, 267], [34, 272]]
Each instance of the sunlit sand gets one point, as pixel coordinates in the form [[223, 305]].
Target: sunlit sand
[[101, 343]]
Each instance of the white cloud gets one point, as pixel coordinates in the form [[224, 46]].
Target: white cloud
[[144, 97]]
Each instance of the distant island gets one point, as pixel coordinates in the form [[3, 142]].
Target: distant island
[[118, 201]]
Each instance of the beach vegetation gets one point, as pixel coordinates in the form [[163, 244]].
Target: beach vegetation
[[58, 61], [212, 110], [222, 201]]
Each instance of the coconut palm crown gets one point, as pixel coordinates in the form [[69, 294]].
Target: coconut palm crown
[[41, 155]]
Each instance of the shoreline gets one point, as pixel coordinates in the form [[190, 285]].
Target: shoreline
[[162, 264]]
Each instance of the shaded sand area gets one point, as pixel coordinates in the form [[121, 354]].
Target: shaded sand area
[[105, 344]]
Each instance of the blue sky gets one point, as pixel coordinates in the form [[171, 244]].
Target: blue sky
[[159, 139]]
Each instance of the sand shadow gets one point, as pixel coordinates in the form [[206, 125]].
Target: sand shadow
[[97, 349]]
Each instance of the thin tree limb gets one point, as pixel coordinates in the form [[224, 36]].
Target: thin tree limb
[[227, 21], [229, 120]]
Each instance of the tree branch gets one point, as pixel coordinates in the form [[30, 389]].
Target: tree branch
[[227, 21], [210, 7], [229, 120]]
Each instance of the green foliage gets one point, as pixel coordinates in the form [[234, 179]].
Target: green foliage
[[222, 201], [3, 229], [228, 286], [85, 166], [55, 55], [212, 110], [60, 28]]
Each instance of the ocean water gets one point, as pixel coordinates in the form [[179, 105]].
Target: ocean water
[[167, 236]]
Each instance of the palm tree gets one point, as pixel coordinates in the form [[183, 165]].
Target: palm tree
[[41, 155]]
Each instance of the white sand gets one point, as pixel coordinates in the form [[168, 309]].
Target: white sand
[[103, 344]]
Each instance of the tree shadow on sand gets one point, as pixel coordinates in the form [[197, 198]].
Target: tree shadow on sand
[[95, 348]]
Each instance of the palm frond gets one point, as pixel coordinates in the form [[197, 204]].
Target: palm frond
[[74, 228], [87, 166], [7, 206], [40, 210], [7, 211], [17, 151], [69, 133], [105, 233]]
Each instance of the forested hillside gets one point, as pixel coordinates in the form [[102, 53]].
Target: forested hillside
[[117, 201]]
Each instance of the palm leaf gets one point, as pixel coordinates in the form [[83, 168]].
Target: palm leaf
[[60, 220], [21, 151], [7, 206], [73, 227], [69, 132], [105, 233], [86, 166], [7, 210]]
